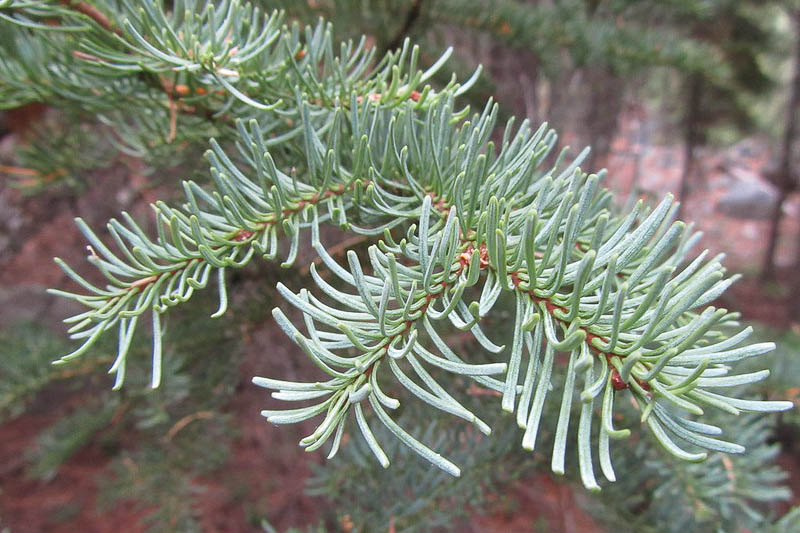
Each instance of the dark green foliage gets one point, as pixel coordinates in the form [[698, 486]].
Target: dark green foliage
[[161, 441], [59, 155], [25, 369], [624, 36], [739, 34], [726, 493], [162, 476], [68, 435], [179, 432], [413, 496]]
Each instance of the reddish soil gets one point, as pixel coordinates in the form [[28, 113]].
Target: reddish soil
[[68, 502], [538, 503]]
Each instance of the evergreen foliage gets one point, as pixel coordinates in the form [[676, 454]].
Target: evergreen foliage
[[656, 493], [25, 370], [588, 33], [740, 38], [416, 497], [722, 494], [609, 308], [160, 438]]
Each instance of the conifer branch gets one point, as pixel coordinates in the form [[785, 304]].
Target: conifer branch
[[370, 146]]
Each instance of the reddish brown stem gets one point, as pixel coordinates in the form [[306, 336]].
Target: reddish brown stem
[[93, 13]]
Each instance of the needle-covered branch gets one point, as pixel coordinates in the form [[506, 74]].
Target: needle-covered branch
[[313, 133]]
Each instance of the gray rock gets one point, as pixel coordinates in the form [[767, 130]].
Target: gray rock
[[750, 199]]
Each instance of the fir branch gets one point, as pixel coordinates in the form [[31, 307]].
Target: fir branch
[[724, 493], [372, 147]]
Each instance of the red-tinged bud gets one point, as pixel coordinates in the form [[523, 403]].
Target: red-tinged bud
[[616, 381]]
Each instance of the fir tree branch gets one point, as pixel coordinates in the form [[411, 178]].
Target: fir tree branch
[[372, 147]]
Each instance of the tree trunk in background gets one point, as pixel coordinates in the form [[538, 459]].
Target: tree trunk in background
[[768, 268], [643, 132], [516, 73], [528, 83], [691, 138], [411, 18], [558, 111], [606, 100], [789, 178], [783, 177]]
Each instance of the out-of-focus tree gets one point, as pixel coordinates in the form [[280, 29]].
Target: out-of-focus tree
[[783, 175], [719, 93]]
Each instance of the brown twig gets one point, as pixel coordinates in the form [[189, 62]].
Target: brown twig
[[475, 390], [19, 171], [336, 251], [186, 420], [93, 13], [173, 120], [179, 90]]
